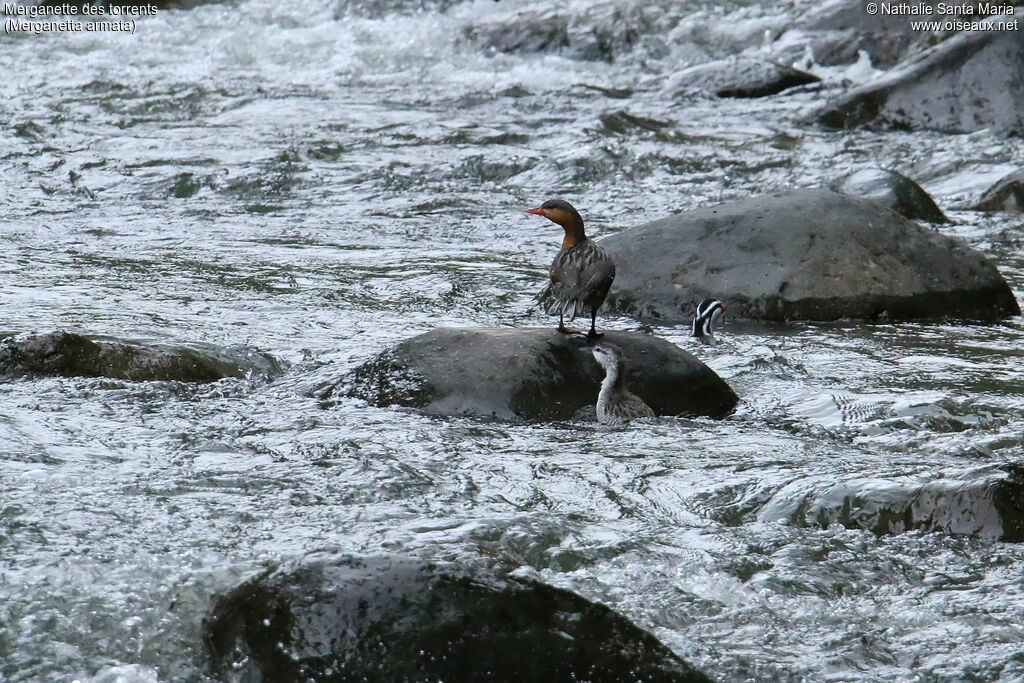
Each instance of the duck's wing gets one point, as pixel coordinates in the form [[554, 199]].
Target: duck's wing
[[580, 276]]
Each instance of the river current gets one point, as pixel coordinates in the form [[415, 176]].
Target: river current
[[321, 180]]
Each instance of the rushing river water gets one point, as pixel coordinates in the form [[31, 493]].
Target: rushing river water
[[321, 180]]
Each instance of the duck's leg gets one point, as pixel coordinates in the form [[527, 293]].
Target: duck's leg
[[593, 334], [566, 330]]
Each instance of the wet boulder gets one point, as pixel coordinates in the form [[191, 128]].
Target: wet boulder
[[329, 616], [1006, 195], [599, 33], [894, 190], [526, 33], [530, 374], [837, 32], [67, 354], [803, 255], [987, 502], [969, 82], [739, 77]]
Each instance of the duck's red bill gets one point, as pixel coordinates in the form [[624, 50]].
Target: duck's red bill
[[539, 211]]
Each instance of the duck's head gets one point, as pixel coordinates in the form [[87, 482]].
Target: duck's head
[[607, 356], [708, 313], [561, 212]]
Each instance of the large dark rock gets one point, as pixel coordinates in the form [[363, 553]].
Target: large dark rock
[[334, 617], [1006, 195], [987, 502], [894, 190], [68, 354], [804, 255], [969, 82], [530, 374], [740, 77]]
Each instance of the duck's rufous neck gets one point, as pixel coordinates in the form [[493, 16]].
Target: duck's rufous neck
[[570, 222], [572, 235]]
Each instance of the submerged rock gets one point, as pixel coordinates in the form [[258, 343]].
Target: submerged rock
[[329, 616], [66, 354], [894, 190], [530, 374], [1006, 195], [740, 77], [987, 502], [803, 255], [969, 82]]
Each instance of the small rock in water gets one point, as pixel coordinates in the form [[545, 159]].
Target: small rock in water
[[338, 617], [986, 502], [740, 77], [67, 354], [1006, 195], [894, 190]]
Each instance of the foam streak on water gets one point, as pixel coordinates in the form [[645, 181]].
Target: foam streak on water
[[321, 180]]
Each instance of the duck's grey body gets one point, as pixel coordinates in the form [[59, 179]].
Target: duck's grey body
[[580, 279], [616, 405], [582, 273]]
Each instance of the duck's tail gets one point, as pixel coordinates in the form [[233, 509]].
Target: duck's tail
[[569, 305]]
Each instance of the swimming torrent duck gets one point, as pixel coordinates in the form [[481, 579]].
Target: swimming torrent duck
[[616, 405], [582, 272], [708, 313]]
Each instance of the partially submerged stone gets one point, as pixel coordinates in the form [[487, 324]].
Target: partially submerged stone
[[803, 255], [67, 354], [894, 190], [740, 77], [530, 374], [328, 616], [987, 502], [1006, 195]]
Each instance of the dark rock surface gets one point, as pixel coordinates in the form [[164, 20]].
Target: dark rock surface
[[894, 190], [530, 374], [837, 32], [969, 82], [600, 35], [328, 616], [803, 255], [1006, 195], [740, 77], [67, 354], [987, 502]]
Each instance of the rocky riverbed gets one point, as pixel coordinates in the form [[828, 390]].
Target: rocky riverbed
[[210, 223]]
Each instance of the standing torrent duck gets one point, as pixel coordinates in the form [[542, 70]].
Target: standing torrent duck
[[616, 405], [708, 313], [582, 272]]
